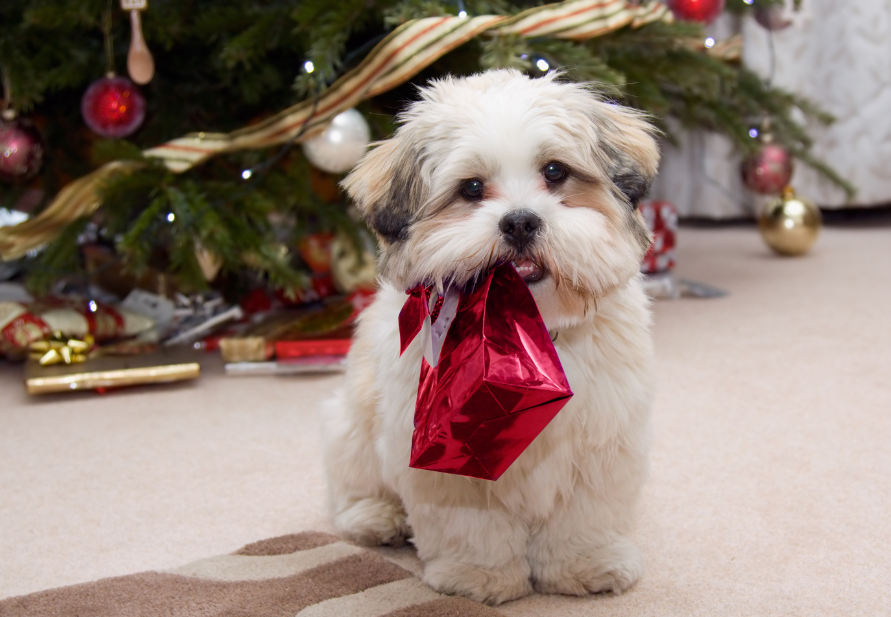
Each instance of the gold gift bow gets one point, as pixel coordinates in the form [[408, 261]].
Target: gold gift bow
[[59, 349], [402, 54]]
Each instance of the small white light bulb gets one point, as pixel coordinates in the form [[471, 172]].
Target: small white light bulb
[[753, 133], [542, 65], [170, 217], [93, 306], [308, 66], [709, 42], [462, 14], [246, 174]]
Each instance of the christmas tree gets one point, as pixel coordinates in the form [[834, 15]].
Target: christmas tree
[[236, 85]]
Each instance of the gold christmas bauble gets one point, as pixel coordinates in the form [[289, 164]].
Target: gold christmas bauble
[[790, 224]]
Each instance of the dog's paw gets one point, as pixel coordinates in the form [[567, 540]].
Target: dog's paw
[[490, 586], [613, 568], [372, 521]]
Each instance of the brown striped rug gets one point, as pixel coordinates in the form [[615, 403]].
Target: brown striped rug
[[309, 574]]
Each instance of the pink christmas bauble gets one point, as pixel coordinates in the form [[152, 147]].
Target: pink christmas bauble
[[769, 171], [21, 150], [113, 107], [705, 11]]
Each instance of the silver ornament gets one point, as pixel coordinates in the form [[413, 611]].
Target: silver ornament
[[342, 144]]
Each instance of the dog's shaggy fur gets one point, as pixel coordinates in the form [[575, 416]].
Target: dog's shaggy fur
[[558, 519]]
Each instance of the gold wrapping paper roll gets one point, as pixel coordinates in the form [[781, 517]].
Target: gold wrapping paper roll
[[110, 372]]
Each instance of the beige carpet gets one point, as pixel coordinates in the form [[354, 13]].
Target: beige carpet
[[771, 485]]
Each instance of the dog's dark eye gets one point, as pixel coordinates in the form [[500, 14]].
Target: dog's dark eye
[[473, 188], [554, 172]]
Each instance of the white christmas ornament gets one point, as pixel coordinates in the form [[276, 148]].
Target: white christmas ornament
[[342, 144]]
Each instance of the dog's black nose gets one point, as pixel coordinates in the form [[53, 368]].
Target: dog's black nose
[[519, 227]]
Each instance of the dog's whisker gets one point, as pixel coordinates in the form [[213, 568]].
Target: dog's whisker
[[473, 254]]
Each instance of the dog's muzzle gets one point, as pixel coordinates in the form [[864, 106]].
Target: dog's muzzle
[[519, 228]]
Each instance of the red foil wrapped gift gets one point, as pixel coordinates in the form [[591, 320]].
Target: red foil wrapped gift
[[496, 384], [662, 220]]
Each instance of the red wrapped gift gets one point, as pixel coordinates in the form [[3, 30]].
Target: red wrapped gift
[[312, 347], [497, 382], [662, 220]]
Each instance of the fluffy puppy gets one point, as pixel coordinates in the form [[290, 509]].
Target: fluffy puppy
[[544, 173]]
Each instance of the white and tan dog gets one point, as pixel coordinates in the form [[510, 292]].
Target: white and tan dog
[[544, 173]]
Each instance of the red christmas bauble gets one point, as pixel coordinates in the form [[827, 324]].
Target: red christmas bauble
[[113, 107], [21, 150], [769, 171], [705, 11]]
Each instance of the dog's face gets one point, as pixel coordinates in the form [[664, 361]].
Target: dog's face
[[500, 167]]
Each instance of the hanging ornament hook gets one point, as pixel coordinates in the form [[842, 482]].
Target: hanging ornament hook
[[140, 63], [766, 135], [7, 111], [109, 42]]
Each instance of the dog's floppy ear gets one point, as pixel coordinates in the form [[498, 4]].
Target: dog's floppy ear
[[388, 189], [631, 148]]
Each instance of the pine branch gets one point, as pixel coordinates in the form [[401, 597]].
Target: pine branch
[[580, 62], [223, 64], [329, 26], [58, 259], [824, 170], [504, 52]]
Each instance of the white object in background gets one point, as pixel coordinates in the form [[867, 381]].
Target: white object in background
[[14, 292], [195, 333], [702, 177], [8, 218], [837, 54], [341, 145], [158, 308], [296, 366]]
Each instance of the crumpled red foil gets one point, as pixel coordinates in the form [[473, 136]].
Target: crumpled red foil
[[497, 385], [412, 315]]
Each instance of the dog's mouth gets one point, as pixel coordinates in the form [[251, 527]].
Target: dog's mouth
[[530, 271]]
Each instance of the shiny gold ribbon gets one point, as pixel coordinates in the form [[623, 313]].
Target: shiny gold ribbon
[[59, 349]]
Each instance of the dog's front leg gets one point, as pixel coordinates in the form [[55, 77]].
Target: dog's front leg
[[583, 547], [469, 547], [363, 507]]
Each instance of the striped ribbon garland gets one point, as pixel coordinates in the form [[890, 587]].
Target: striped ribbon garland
[[402, 54]]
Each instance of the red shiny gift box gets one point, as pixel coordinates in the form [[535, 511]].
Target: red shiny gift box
[[662, 220], [497, 384], [312, 347]]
